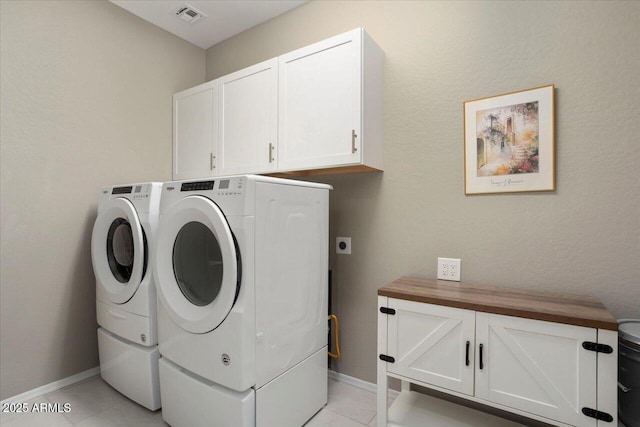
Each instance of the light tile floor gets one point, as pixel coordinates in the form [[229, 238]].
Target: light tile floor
[[95, 404]]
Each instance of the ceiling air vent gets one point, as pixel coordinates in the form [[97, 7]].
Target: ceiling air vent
[[189, 14]]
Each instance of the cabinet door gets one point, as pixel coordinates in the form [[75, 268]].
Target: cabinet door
[[535, 366], [248, 133], [194, 131], [320, 104], [429, 344]]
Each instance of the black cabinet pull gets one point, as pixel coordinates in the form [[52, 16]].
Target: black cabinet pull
[[387, 310], [467, 357], [481, 364], [386, 358], [598, 415]]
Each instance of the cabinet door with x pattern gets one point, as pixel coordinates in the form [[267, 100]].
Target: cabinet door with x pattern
[[432, 344], [536, 366]]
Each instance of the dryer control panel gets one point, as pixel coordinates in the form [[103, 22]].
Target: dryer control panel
[[234, 195], [144, 196], [221, 187], [230, 187]]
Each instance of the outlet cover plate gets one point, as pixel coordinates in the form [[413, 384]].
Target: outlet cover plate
[[343, 245], [449, 269]]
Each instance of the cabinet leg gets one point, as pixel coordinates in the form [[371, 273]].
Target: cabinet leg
[[382, 394], [383, 386], [608, 377]]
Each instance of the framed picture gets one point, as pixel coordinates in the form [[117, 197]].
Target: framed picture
[[509, 142]]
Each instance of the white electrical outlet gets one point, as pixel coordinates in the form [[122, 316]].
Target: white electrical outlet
[[449, 269], [343, 245]]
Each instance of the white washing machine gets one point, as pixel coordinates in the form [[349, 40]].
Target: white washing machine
[[125, 292], [241, 267]]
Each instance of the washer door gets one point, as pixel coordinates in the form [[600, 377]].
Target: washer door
[[196, 264], [118, 250]]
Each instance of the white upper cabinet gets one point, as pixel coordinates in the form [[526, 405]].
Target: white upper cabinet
[[195, 117], [330, 104], [248, 126], [315, 110]]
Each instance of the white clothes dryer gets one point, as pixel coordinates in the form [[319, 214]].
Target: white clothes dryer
[[241, 265], [126, 302]]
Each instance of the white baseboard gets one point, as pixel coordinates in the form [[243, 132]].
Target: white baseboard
[[51, 387], [358, 383], [57, 385]]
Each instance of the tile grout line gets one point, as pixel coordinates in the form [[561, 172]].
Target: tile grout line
[[358, 384], [344, 416]]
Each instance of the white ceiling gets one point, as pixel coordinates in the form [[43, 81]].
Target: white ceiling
[[225, 18]]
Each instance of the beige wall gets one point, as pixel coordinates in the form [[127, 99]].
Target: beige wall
[[583, 238], [86, 102]]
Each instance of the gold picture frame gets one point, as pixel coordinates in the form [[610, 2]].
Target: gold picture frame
[[509, 142]]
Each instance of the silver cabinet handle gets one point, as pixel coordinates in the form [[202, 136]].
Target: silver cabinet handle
[[626, 389], [271, 159], [353, 141], [212, 160]]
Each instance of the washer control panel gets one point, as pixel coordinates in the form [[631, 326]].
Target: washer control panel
[[132, 192], [197, 186]]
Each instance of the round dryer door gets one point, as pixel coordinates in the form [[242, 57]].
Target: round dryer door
[[118, 250], [196, 264]]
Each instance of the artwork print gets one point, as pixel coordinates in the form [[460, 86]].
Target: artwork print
[[509, 142]]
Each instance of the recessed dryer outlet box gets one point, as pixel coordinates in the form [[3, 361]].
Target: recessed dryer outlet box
[[449, 269], [343, 245]]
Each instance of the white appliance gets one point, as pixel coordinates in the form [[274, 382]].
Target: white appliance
[[125, 293], [241, 267]]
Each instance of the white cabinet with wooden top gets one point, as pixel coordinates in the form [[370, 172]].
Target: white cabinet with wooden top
[[543, 356]]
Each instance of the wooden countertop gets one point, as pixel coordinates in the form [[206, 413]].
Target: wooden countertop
[[560, 308]]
